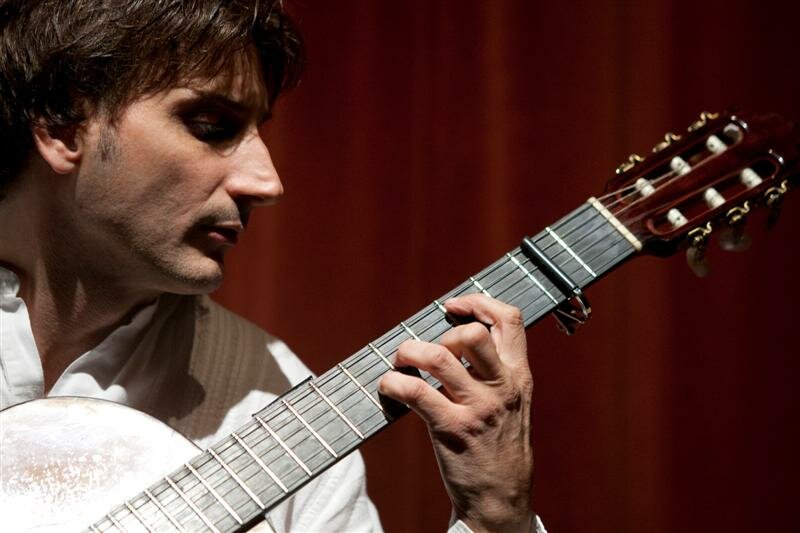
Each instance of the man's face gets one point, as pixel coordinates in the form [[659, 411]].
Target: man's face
[[162, 193]]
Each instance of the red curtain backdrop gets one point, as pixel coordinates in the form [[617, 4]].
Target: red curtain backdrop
[[428, 137]]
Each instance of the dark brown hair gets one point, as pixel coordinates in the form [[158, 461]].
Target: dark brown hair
[[59, 58]]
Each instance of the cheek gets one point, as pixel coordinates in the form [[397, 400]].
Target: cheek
[[175, 175]]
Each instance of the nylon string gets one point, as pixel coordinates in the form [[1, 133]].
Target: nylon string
[[299, 401]]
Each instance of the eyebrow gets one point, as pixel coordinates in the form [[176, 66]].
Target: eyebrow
[[207, 97]]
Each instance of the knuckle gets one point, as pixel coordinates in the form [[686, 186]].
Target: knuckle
[[474, 333], [513, 316], [416, 391], [440, 358]]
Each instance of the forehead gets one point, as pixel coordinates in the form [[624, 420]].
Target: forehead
[[240, 81], [239, 85]]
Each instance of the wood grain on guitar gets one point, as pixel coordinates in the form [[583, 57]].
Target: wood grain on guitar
[[704, 180]]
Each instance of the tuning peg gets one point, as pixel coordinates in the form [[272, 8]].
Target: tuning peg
[[669, 138], [774, 200], [705, 116], [632, 161], [733, 238], [696, 253]]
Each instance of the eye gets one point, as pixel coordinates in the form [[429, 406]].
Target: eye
[[213, 129]]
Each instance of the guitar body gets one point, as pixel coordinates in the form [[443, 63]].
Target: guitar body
[[67, 461]]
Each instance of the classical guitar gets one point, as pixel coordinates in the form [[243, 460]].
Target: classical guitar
[[705, 180]]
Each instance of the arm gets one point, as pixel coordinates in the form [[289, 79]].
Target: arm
[[480, 422]]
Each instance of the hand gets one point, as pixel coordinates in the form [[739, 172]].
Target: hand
[[480, 421]]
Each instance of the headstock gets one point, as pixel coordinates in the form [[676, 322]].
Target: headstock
[[709, 178]]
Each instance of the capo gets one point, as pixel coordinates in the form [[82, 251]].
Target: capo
[[575, 310]]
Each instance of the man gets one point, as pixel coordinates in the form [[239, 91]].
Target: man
[[131, 135]]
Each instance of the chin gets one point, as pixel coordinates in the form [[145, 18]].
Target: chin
[[199, 277]]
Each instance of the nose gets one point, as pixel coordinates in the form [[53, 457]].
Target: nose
[[253, 180]]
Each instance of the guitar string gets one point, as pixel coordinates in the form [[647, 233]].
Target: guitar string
[[382, 423], [671, 174], [337, 376], [299, 401], [323, 380]]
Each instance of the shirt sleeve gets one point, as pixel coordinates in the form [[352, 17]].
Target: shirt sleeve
[[460, 527]]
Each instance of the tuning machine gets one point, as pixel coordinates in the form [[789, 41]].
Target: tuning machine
[[669, 139], [633, 160], [733, 238], [774, 200], [705, 116], [696, 253]]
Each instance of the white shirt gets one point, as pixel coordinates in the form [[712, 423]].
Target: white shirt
[[128, 366]]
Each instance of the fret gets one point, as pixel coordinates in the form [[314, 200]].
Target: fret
[[329, 425], [506, 281], [591, 234], [613, 255], [145, 511], [164, 511], [530, 276], [191, 505], [297, 436], [380, 354], [237, 479], [479, 286], [214, 493], [226, 493], [349, 397], [260, 463], [138, 516], [591, 231], [570, 250], [360, 386], [283, 445], [194, 486], [441, 308], [429, 326], [310, 429], [336, 410], [116, 524], [409, 331], [596, 249]]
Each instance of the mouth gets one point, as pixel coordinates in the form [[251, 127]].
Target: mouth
[[222, 235]]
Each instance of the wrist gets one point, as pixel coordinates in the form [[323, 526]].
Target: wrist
[[517, 522]]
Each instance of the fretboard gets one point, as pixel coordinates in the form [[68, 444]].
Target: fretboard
[[230, 486]]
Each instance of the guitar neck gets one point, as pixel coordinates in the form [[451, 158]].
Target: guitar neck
[[315, 424]]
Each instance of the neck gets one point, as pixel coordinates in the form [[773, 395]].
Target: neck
[[71, 306]]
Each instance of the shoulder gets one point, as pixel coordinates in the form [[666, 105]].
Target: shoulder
[[219, 328], [235, 368]]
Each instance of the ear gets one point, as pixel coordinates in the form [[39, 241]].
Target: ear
[[59, 147]]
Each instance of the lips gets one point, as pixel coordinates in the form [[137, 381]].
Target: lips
[[223, 235]]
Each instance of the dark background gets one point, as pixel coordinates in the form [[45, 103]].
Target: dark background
[[427, 137]]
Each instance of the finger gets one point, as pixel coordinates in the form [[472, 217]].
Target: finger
[[474, 343], [439, 362], [416, 393], [505, 322]]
